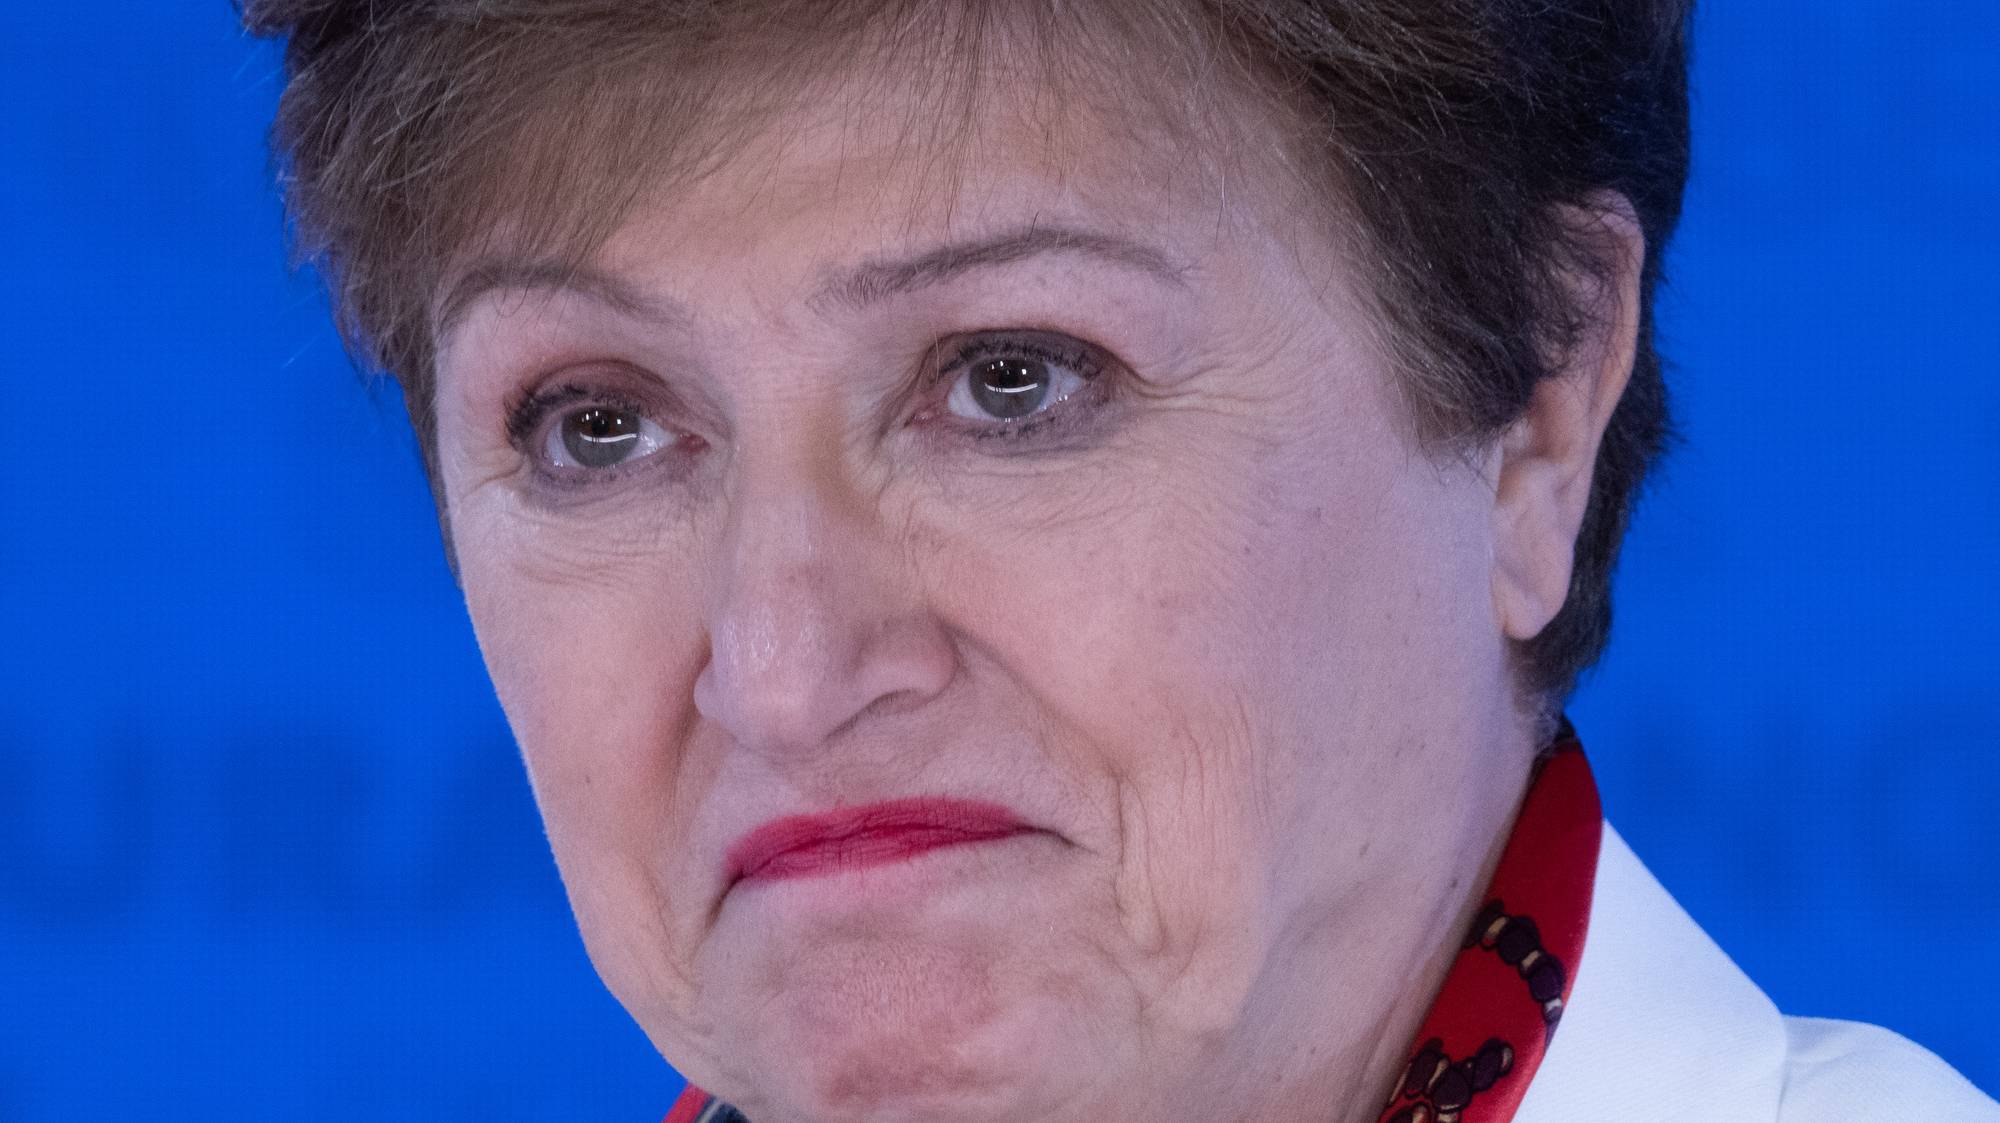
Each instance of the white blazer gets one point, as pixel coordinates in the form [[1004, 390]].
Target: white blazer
[[1661, 1026]]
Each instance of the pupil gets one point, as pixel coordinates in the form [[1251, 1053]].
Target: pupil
[[1009, 388], [600, 438]]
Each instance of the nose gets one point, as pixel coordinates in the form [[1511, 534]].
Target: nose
[[816, 618]]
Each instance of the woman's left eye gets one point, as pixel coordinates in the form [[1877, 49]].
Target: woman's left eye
[[997, 383]]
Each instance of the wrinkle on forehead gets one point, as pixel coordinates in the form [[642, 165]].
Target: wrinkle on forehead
[[923, 94]]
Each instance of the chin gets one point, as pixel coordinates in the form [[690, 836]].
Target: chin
[[914, 1087], [922, 1040]]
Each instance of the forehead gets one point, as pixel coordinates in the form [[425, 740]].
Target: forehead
[[849, 183], [925, 143]]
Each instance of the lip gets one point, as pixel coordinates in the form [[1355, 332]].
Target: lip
[[871, 835]]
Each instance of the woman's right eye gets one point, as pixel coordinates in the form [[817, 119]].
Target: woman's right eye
[[599, 437]]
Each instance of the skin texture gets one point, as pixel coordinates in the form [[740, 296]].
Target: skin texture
[[1230, 642]]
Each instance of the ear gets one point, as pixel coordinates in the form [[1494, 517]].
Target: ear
[[1545, 459]]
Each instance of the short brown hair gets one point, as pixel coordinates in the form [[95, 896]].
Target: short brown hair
[[1454, 134]]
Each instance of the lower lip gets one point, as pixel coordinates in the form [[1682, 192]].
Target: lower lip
[[880, 836]]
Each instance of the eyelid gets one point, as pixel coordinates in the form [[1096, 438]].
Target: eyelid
[[1087, 359], [604, 381], [529, 406]]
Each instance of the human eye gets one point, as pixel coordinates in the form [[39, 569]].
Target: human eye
[[1007, 384], [578, 434]]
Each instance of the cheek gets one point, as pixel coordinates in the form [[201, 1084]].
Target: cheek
[[1234, 657], [574, 647], [586, 620], [1134, 616], [593, 660]]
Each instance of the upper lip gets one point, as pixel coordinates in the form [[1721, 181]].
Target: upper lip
[[950, 819]]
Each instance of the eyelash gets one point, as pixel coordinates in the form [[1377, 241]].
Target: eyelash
[[530, 410]]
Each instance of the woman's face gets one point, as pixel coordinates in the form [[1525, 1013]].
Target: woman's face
[[1073, 485]]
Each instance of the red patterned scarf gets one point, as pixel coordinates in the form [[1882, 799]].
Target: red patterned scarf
[[1497, 1011], [1495, 1014]]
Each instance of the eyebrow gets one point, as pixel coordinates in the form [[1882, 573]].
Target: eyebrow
[[876, 280], [517, 275], [856, 286]]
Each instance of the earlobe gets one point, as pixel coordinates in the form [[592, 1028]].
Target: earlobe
[[1545, 460]]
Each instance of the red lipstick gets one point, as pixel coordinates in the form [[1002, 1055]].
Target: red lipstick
[[808, 845]]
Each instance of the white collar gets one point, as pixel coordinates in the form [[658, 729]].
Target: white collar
[[1661, 1025]]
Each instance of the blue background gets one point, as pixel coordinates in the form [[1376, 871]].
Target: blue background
[[264, 844]]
